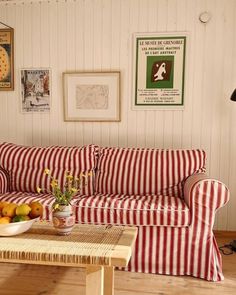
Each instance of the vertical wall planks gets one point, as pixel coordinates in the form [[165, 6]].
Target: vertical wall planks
[[106, 58], [125, 66], [27, 62], [19, 34], [188, 23], [132, 115], [53, 58], [88, 57], [79, 57], [62, 56], [97, 57], [224, 111], [70, 63], [115, 58], [36, 43], [45, 63], [196, 95], [231, 224]]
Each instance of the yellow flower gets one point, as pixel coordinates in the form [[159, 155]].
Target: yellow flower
[[74, 190], [39, 190], [69, 177], [54, 183], [47, 171]]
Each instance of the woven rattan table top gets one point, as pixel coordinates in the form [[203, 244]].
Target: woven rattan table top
[[86, 245]]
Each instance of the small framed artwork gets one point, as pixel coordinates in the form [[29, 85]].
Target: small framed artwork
[[6, 59], [91, 96], [159, 71], [35, 90]]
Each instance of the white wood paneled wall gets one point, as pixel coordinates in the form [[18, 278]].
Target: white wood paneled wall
[[96, 35]]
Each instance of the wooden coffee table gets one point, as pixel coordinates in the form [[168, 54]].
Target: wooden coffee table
[[97, 248]]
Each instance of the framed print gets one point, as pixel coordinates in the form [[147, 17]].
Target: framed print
[[91, 96], [6, 59], [35, 90], [159, 71]]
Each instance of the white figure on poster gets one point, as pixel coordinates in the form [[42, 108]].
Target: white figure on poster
[[160, 71]]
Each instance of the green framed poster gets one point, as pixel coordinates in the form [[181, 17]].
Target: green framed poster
[[159, 70]]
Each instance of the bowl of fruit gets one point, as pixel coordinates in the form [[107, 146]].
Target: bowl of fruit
[[16, 219]]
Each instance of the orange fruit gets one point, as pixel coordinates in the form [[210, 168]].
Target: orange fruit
[[5, 220], [3, 204], [9, 210], [36, 209]]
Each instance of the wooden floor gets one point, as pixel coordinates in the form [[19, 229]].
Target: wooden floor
[[43, 280]]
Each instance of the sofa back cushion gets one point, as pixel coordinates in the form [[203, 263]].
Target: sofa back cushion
[[140, 171], [26, 165]]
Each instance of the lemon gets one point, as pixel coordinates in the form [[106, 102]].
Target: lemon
[[23, 209]]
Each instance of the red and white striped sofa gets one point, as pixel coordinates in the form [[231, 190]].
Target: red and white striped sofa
[[164, 192]]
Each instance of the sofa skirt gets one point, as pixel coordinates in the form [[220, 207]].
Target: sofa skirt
[[176, 251]]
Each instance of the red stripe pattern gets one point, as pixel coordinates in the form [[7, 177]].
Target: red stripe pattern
[[4, 181], [136, 171], [26, 165], [133, 210]]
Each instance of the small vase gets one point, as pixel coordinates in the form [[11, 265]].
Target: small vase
[[63, 220]]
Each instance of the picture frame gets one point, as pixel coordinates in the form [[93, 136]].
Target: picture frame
[[159, 66], [91, 96], [6, 59], [35, 90]]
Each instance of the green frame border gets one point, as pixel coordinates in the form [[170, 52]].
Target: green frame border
[[136, 69]]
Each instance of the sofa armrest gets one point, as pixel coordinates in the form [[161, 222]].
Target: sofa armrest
[[4, 181], [204, 196]]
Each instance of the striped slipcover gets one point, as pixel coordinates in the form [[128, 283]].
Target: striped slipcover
[[188, 249], [163, 192], [4, 181]]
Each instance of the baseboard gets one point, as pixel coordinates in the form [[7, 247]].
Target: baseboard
[[225, 234]]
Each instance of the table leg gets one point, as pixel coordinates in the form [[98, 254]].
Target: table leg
[[108, 280], [94, 280]]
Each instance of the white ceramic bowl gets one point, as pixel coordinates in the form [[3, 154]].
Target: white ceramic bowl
[[16, 228]]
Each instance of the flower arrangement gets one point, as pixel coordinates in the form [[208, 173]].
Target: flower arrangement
[[71, 187]]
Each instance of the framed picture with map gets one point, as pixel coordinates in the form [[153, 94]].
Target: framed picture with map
[[91, 96], [6, 59]]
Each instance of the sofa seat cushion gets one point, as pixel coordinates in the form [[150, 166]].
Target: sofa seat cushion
[[25, 165], [133, 210]]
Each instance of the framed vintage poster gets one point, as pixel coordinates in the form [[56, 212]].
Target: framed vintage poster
[[159, 71], [35, 90], [6, 59], [91, 96]]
